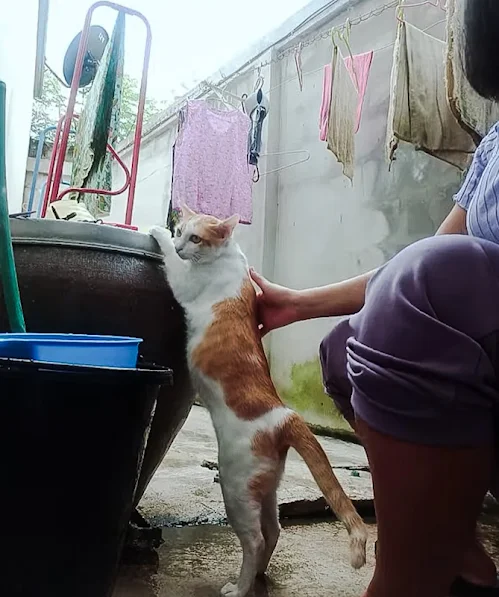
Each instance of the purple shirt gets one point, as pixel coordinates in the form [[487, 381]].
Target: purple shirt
[[479, 195]]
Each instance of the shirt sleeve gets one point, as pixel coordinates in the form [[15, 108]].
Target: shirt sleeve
[[467, 191]]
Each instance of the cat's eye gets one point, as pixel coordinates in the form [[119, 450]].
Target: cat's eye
[[195, 239], [179, 232]]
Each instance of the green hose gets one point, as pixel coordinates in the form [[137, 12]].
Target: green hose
[[8, 276]]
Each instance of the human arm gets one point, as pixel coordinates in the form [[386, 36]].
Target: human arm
[[279, 306]]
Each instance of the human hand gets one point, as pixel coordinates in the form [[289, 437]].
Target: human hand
[[276, 304]]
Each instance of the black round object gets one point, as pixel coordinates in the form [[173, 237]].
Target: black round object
[[97, 41], [71, 449]]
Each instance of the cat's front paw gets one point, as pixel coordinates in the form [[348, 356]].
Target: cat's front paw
[[159, 233], [163, 237], [230, 590]]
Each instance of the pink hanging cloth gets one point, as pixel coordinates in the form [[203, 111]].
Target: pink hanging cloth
[[359, 71], [327, 89], [211, 173]]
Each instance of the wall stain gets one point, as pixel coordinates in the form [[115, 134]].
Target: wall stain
[[305, 394]]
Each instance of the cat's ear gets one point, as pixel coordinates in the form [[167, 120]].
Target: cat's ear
[[187, 212], [226, 228]]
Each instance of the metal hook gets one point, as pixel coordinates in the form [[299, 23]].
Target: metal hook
[[222, 95], [291, 165]]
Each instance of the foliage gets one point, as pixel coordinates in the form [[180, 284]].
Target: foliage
[[48, 109], [129, 104]]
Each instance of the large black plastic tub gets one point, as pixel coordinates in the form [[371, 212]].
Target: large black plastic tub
[[72, 441]]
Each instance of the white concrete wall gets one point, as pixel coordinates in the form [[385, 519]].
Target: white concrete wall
[[311, 226], [18, 27], [329, 230]]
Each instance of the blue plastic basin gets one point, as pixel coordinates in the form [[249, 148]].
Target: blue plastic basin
[[72, 349]]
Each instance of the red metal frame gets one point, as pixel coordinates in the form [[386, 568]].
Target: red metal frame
[[59, 151], [53, 156], [48, 191], [102, 191]]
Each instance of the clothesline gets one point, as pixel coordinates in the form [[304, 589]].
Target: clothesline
[[327, 34], [247, 68], [321, 68], [344, 86], [338, 29]]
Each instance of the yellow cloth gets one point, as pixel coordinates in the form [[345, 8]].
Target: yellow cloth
[[342, 115], [419, 112]]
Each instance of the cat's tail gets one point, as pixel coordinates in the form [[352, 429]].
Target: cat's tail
[[298, 436]]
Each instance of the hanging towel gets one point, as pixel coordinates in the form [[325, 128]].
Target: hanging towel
[[211, 173], [359, 70], [419, 112], [475, 114], [98, 125], [326, 101], [342, 115]]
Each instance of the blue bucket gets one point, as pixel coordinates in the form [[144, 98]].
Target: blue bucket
[[72, 349]]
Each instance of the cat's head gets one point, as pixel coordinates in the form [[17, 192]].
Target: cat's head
[[201, 238]]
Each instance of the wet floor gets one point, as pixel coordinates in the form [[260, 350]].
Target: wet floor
[[310, 560], [183, 490]]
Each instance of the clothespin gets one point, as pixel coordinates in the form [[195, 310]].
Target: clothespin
[[334, 33], [344, 36], [259, 80], [299, 65], [400, 12]]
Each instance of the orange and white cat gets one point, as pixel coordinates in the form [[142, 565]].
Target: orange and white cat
[[208, 275]]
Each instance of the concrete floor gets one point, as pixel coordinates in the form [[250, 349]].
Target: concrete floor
[[184, 492], [310, 561], [200, 554]]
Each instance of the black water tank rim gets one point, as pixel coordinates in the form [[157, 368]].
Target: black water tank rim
[[78, 235], [144, 372]]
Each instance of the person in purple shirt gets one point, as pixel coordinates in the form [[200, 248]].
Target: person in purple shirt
[[415, 370]]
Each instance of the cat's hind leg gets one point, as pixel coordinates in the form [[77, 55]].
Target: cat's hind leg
[[245, 517], [271, 529]]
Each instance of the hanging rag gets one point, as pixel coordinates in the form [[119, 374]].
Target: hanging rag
[[98, 125], [327, 82], [342, 115], [419, 112], [211, 173], [359, 67], [475, 114]]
